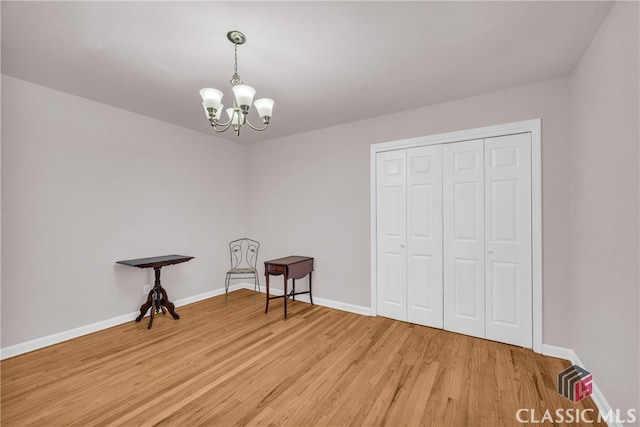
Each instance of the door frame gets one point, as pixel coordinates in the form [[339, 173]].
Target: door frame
[[533, 126]]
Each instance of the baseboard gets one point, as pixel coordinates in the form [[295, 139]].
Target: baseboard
[[338, 305], [38, 343], [560, 353], [571, 356]]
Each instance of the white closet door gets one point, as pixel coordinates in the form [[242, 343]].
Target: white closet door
[[424, 235], [508, 239], [463, 185], [391, 234]]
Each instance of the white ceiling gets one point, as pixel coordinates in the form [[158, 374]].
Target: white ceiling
[[324, 63]]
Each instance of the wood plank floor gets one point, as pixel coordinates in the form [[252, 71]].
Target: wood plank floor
[[233, 365]]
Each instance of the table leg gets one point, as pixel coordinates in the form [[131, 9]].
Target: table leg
[[267, 306], [285, 295], [144, 307], [164, 301], [293, 292], [310, 297], [153, 310]]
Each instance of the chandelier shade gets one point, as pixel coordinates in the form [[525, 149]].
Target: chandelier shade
[[264, 107], [242, 99], [244, 95], [236, 118], [211, 98]]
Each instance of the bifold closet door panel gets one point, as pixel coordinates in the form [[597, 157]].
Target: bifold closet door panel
[[424, 236], [463, 242], [391, 224], [508, 276]]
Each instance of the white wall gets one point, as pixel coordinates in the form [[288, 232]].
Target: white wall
[[310, 192], [85, 185], [604, 198]]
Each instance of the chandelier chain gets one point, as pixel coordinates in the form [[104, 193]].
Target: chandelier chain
[[235, 62]]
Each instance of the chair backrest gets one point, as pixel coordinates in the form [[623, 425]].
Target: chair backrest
[[244, 253]]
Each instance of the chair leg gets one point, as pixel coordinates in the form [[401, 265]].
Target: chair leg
[[256, 284], [226, 289]]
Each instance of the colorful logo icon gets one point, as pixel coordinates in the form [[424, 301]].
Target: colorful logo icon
[[575, 383]]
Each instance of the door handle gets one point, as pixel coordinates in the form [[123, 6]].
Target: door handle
[[489, 251], [402, 246]]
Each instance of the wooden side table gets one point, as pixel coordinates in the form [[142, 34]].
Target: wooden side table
[[157, 298], [291, 267]]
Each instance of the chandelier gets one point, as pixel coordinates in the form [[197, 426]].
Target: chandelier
[[242, 99]]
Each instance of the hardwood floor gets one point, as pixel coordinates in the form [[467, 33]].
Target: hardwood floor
[[233, 365]]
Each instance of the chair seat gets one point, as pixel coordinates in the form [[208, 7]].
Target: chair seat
[[241, 271]]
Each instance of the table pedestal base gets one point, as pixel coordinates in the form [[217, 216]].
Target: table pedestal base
[[157, 300]]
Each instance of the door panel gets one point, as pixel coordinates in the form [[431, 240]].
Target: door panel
[[463, 237], [391, 189], [508, 233], [503, 294], [424, 236], [465, 289], [394, 270], [466, 197]]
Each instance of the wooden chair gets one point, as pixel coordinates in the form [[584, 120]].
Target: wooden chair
[[244, 258]]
